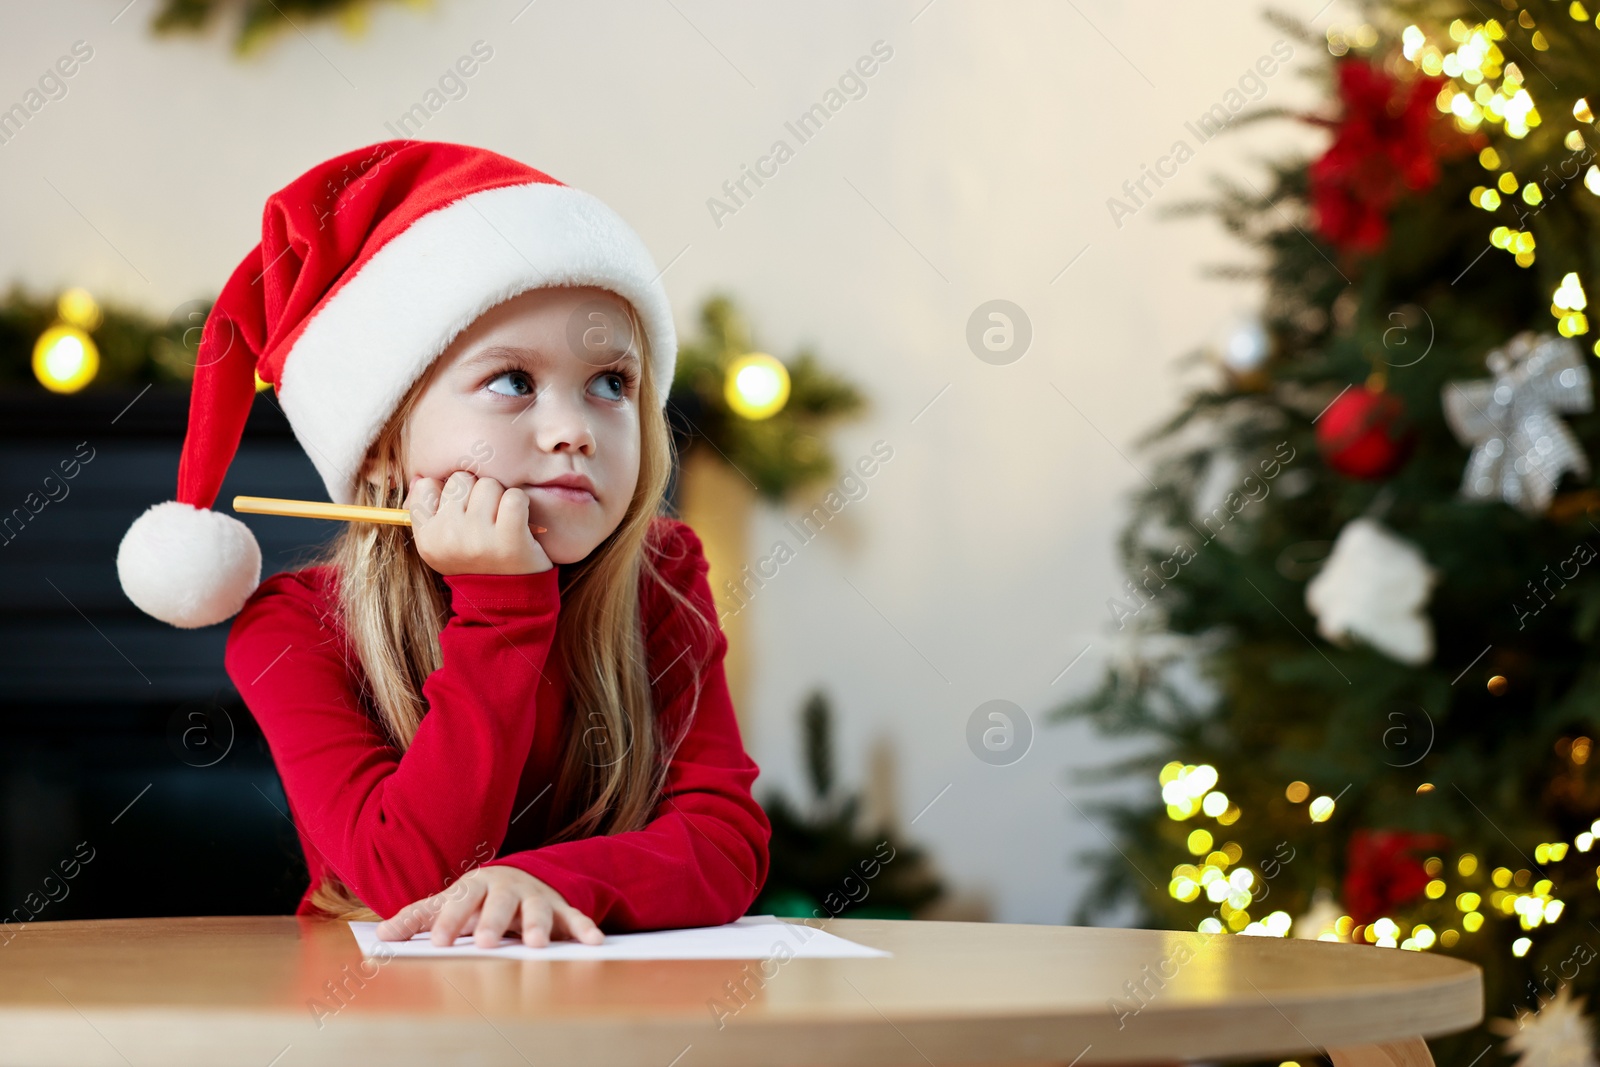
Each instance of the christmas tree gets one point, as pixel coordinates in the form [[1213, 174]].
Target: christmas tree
[[1362, 602]]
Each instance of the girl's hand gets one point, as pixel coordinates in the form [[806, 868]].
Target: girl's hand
[[489, 901], [471, 525]]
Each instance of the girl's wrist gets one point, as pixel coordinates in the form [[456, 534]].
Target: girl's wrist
[[478, 594]]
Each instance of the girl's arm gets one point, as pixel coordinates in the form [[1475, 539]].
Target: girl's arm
[[398, 828], [703, 858]]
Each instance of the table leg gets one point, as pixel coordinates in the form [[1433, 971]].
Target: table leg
[[1408, 1052]]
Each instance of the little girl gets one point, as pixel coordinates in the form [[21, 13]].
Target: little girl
[[512, 715]]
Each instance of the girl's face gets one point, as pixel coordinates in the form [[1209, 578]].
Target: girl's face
[[542, 385]]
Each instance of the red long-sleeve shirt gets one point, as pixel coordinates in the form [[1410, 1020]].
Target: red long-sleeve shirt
[[476, 783]]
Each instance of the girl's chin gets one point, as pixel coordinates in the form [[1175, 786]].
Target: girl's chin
[[564, 550]]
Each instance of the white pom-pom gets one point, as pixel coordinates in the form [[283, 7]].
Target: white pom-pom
[[188, 566]]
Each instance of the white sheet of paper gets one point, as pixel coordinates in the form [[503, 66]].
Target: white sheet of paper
[[751, 937]]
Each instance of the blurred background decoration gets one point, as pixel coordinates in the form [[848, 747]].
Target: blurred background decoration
[[763, 417], [256, 22], [1374, 533], [825, 863]]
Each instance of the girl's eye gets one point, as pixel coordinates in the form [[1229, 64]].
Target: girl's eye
[[517, 376], [618, 380]]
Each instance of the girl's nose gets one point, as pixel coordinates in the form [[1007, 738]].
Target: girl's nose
[[563, 426]]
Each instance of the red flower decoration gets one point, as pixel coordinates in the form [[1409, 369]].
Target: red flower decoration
[[1382, 872], [1387, 140]]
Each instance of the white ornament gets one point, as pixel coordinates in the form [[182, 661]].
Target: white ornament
[[1520, 446], [1374, 586], [1247, 345], [1557, 1035], [1319, 921]]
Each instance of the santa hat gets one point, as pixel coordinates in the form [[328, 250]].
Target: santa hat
[[368, 266]]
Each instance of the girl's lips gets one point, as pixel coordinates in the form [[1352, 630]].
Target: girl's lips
[[567, 493]]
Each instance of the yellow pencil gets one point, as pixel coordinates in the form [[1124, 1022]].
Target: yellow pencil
[[313, 509]]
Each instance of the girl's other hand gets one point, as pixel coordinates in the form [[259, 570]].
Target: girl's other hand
[[471, 525], [489, 901]]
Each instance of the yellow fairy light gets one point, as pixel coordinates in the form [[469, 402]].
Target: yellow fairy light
[[1577, 11], [1522, 242], [1296, 792], [1468, 901], [1411, 40], [1580, 110], [1532, 194], [1435, 889], [1552, 910], [1591, 179], [1501, 877], [65, 359], [77, 308], [1573, 141], [1448, 938], [1182, 789], [1200, 841], [757, 386], [1472, 921], [1520, 946], [1424, 936], [1538, 41], [1214, 804], [1467, 865], [1507, 182], [1209, 926], [1232, 852], [1489, 159], [1567, 306], [1229, 817], [1489, 200], [1570, 295], [1321, 809], [1584, 841]]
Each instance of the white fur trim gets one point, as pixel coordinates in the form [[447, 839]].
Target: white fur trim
[[355, 359], [188, 566]]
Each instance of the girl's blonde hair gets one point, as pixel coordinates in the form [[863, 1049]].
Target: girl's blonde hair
[[392, 607]]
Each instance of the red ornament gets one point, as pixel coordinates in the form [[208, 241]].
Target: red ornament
[[1382, 872], [1387, 140], [1365, 434]]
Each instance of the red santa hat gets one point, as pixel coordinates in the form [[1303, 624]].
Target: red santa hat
[[369, 265]]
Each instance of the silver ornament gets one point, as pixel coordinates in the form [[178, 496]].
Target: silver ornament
[[1520, 445]]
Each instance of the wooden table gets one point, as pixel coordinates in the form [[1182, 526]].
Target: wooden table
[[279, 991]]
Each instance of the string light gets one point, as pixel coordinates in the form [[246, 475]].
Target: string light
[[1567, 304], [757, 386], [65, 358]]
